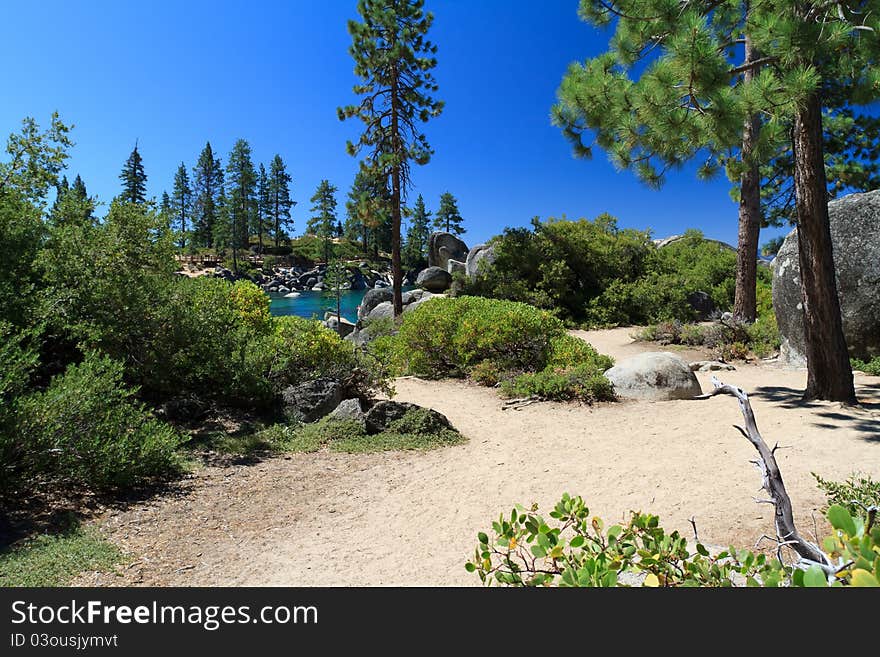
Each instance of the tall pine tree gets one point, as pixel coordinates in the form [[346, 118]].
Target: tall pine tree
[[394, 59], [134, 179], [368, 211], [207, 187], [279, 199], [693, 95], [448, 218], [415, 251], [241, 183], [323, 219], [263, 207], [181, 204]]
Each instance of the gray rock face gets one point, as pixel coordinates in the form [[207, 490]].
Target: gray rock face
[[478, 254], [442, 247], [384, 309], [372, 299], [434, 279], [710, 366], [383, 413], [455, 266], [311, 400], [656, 375], [676, 238], [349, 409], [855, 227], [342, 326]]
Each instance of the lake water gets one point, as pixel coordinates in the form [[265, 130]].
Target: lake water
[[314, 304]]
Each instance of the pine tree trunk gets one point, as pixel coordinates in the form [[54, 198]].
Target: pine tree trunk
[[396, 273], [829, 375], [745, 304]]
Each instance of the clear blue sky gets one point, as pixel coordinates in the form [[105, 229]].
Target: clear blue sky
[[175, 74]]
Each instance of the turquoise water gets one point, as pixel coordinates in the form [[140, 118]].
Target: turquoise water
[[314, 304]]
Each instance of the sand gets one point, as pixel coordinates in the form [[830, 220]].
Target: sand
[[411, 518]]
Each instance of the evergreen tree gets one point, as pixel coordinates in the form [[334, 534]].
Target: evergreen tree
[[448, 217], [134, 179], [166, 214], [79, 188], [323, 219], [241, 182], [368, 210], [61, 188], [393, 58], [207, 188], [262, 216], [72, 204], [181, 204], [279, 197], [693, 97], [415, 251]]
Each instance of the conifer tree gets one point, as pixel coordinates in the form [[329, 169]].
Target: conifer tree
[[241, 182], [692, 97], [323, 219], [166, 213], [181, 204], [369, 210], [72, 203], [393, 58], [263, 207], [134, 179], [79, 188], [448, 217], [207, 184], [279, 198], [416, 248]]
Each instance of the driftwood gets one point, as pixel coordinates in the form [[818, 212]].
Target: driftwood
[[786, 532]]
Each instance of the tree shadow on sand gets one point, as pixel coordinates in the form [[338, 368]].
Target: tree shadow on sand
[[864, 418]]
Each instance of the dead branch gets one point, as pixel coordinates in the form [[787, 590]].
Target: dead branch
[[786, 530]]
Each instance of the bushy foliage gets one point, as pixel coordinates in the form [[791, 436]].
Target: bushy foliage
[[88, 430], [580, 383], [573, 548], [856, 493], [595, 273], [871, 367]]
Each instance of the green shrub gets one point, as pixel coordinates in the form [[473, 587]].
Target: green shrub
[[871, 367], [856, 493], [87, 430], [580, 382]]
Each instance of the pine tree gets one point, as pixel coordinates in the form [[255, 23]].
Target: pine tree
[[323, 219], [207, 188], [448, 217], [394, 60], [369, 210], [241, 181], [79, 188], [134, 179], [693, 98], [279, 196], [166, 213], [416, 249], [72, 204], [263, 207], [181, 204]]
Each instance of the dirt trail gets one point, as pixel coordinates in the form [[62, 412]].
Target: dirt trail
[[410, 518]]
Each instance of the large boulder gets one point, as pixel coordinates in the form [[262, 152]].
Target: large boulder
[[855, 227], [383, 413], [434, 279], [349, 409], [480, 253], [382, 310], [455, 266], [311, 400], [655, 375], [445, 246], [372, 299], [342, 326]]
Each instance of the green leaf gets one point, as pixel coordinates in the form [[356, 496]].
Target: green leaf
[[863, 578], [840, 519], [482, 538], [577, 541], [470, 567], [814, 577]]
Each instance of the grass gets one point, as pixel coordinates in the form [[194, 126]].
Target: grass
[[56, 559]]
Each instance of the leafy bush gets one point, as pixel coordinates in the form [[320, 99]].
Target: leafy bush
[[86, 429], [575, 549], [871, 367], [856, 493], [581, 383]]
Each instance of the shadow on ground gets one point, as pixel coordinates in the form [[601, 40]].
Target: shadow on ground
[[864, 418]]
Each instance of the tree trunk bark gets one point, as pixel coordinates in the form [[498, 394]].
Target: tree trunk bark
[[829, 375], [396, 272], [745, 303]]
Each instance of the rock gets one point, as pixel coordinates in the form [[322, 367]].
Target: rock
[[675, 238], [381, 284], [343, 327], [349, 409], [310, 282], [655, 375], [455, 266], [415, 295], [311, 400], [482, 253], [372, 299], [443, 246], [415, 304], [710, 366], [702, 304], [383, 413], [434, 279], [318, 287], [855, 225], [184, 409], [384, 309]]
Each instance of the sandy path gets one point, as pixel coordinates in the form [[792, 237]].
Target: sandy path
[[411, 518]]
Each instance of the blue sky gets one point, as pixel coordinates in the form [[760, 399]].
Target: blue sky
[[175, 74]]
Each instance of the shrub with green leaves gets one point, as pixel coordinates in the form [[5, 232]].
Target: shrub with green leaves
[[857, 493], [88, 430], [871, 367]]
